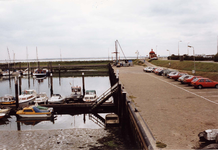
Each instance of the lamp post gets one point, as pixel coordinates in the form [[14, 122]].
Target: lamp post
[[193, 57], [187, 49], [178, 47], [156, 50]]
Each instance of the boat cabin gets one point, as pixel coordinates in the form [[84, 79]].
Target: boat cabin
[[7, 99]]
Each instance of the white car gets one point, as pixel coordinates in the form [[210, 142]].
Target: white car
[[148, 69]]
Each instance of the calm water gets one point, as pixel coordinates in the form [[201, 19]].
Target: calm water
[[60, 86]]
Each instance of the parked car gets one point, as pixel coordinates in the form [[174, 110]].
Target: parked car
[[177, 75], [171, 74], [148, 69], [204, 82], [157, 70], [168, 71], [189, 79], [181, 79]]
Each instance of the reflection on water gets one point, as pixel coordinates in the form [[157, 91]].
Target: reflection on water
[[58, 122], [60, 86]]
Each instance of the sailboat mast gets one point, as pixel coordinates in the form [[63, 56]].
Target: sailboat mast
[[37, 57]]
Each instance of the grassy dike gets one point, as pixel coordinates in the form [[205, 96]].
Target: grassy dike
[[205, 69], [62, 63]]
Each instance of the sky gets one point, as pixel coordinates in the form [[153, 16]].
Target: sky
[[89, 28]]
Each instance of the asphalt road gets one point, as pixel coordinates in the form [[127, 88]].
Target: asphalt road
[[174, 112]]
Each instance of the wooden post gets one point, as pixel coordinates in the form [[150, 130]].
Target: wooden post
[[20, 83], [16, 93], [51, 67], [51, 90], [18, 124], [123, 113], [83, 84], [119, 103], [59, 71]]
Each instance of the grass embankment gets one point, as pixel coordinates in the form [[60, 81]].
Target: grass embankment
[[205, 69], [62, 63]]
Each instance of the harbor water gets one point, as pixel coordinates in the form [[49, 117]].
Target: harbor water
[[83, 131]]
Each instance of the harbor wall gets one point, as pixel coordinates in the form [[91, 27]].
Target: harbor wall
[[130, 118]]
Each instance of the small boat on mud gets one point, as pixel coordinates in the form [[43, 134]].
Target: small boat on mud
[[90, 96], [7, 100], [35, 111], [27, 96], [56, 99], [41, 98], [112, 120]]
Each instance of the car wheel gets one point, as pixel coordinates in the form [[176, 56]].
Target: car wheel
[[216, 86], [200, 86]]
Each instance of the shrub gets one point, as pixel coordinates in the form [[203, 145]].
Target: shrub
[[215, 58]]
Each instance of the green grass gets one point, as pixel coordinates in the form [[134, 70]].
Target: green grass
[[62, 63], [110, 144], [187, 65], [204, 69], [160, 144]]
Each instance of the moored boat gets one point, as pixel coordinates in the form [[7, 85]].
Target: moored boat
[[7, 100], [4, 112], [27, 96], [35, 111], [112, 119], [6, 73], [90, 96], [75, 95], [41, 98], [57, 99], [41, 72], [26, 71]]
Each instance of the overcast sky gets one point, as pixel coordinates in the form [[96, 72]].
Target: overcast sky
[[89, 28]]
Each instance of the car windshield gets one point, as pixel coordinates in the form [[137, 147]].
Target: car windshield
[[195, 79]]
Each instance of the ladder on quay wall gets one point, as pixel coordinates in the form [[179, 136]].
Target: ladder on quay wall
[[107, 94]]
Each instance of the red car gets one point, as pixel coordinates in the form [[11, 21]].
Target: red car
[[204, 82], [189, 80], [177, 75]]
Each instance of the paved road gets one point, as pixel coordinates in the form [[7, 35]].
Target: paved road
[[174, 112]]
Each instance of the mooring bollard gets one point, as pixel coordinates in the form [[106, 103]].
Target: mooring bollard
[[16, 93]]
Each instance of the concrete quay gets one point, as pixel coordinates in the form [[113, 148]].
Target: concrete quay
[[175, 113]]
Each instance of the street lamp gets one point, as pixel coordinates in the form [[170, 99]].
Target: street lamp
[[193, 57], [156, 50], [187, 49]]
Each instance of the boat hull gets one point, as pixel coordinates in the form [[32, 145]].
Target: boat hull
[[2, 115], [35, 115]]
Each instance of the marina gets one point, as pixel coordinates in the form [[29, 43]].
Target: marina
[[110, 99]]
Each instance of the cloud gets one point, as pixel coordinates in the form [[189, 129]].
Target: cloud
[[89, 28]]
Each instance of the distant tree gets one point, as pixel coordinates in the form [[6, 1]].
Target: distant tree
[[215, 58]]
